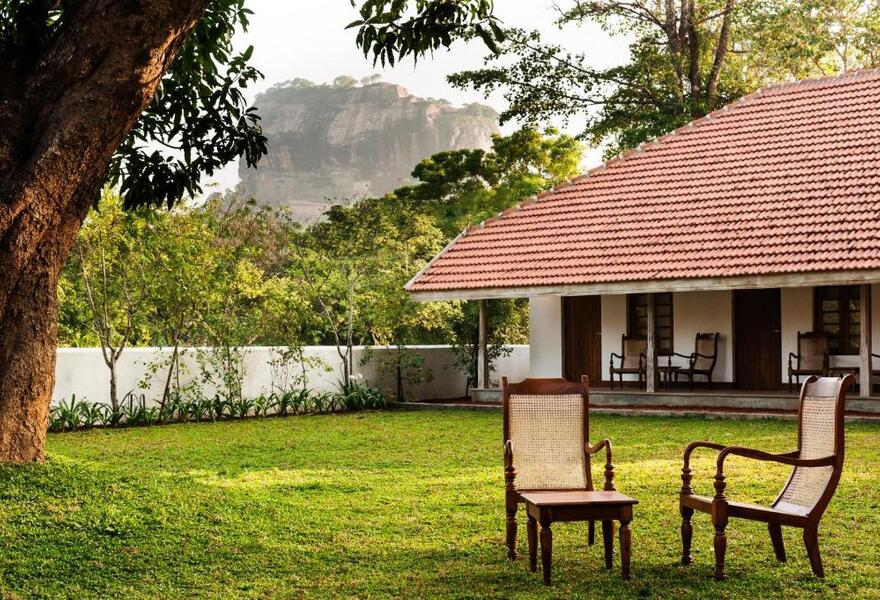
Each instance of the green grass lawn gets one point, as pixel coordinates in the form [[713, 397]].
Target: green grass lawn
[[395, 504]]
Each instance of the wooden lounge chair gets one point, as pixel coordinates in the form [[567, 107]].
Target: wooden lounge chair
[[633, 359], [817, 462], [702, 360], [547, 444], [811, 357]]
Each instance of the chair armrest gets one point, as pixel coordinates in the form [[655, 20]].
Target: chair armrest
[[609, 468], [697, 354], [787, 458], [688, 356], [687, 474], [616, 355]]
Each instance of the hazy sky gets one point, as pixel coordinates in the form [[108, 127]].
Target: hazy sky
[[308, 39]]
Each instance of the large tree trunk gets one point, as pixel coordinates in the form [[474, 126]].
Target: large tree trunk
[[63, 113]]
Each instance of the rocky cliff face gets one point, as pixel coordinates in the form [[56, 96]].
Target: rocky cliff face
[[330, 144]]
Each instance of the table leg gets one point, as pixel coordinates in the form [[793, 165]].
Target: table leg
[[625, 547], [608, 539], [532, 529], [546, 549]]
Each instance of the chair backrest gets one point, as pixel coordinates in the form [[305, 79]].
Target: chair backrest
[[632, 347], [706, 347], [812, 351], [547, 423], [820, 434]]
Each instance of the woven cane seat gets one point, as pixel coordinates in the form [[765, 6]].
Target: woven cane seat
[[547, 435]]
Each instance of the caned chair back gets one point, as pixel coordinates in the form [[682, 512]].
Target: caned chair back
[[706, 347], [812, 351], [632, 350], [820, 435], [546, 421]]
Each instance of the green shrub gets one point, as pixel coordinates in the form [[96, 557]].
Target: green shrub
[[359, 396]]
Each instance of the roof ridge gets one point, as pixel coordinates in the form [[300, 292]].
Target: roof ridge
[[846, 75]]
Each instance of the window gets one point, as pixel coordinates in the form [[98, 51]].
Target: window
[[637, 319], [837, 315]]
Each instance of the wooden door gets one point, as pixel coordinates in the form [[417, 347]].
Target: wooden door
[[582, 337], [757, 357]]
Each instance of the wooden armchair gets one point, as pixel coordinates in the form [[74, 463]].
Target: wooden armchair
[[812, 357], [547, 444], [702, 360], [633, 359], [817, 462]]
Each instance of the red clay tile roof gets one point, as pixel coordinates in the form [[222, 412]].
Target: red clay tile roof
[[784, 181]]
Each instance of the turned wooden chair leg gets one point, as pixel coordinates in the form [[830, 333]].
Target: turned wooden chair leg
[[776, 538], [720, 551], [625, 549], [811, 540], [546, 550], [591, 533], [511, 529], [608, 541], [687, 534], [532, 530]]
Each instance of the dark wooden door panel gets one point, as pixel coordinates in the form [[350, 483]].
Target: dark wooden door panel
[[757, 339], [582, 337]]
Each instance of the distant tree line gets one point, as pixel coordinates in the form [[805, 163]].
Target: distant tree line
[[233, 273]]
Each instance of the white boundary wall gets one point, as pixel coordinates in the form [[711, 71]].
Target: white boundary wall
[[82, 371]]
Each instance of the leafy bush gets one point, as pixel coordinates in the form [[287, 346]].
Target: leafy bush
[[92, 414], [264, 404], [320, 403], [67, 414], [359, 396], [241, 407]]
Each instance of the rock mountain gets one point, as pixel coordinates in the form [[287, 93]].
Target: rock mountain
[[334, 144]]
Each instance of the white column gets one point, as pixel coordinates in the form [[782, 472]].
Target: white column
[[865, 347], [651, 384], [482, 349]]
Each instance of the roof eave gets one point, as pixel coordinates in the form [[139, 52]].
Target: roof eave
[[780, 280]]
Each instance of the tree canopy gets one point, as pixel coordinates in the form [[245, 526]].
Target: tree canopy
[[686, 59]]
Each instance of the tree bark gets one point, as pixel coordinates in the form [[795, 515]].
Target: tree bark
[[720, 54], [62, 116]]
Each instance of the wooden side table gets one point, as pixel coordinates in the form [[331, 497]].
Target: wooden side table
[[547, 507]]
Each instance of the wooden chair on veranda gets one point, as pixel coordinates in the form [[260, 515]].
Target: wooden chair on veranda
[[817, 462], [547, 445], [633, 359], [701, 361], [812, 357]]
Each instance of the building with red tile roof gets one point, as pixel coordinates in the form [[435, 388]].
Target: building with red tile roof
[[778, 191]]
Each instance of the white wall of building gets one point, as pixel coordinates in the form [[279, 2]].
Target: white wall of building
[[797, 315], [82, 371], [545, 336], [613, 327], [704, 312]]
